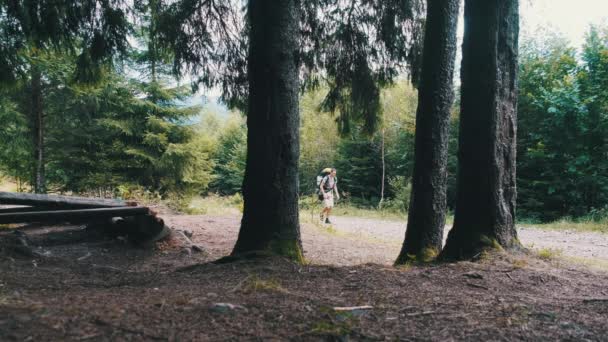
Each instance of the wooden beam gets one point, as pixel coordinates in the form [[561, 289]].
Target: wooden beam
[[23, 209], [55, 201], [71, 215]]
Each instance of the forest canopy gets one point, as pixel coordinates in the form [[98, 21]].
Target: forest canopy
[[135, 126]]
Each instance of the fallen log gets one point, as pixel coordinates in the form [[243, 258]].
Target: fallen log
[[110, 217], [23, 209], [71, 215], [138, 229], [56, 201]]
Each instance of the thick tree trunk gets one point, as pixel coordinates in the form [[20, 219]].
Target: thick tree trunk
[[270, 186], [485, 204], [382, 154], [37, 117], [426, 218]]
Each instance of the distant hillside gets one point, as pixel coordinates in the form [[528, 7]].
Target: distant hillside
[[208, 104]]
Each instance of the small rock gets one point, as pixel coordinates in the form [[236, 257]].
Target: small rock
[[197, 301], [197, 248], [84, 256], [188, 233], [353, 310], [473, 275], [226, 307]]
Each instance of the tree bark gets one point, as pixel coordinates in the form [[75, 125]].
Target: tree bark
[[270, 186], [37, 117], [485, 203], [426, 218], [382, 154]]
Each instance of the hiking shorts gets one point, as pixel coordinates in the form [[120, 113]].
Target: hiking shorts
[[328, 201]]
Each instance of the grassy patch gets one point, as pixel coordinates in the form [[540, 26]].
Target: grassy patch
[[573, 225], [330, 328], [348, 210], [336, 324], [311, 207], [256, 284], [322, 227], [331, 230], [520, 263], [311, 213], [598, 264], [215, 205], [549, 254]]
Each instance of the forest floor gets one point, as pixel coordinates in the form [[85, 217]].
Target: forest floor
[[77, 286]]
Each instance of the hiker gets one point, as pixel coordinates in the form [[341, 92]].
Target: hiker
[[329, 185]]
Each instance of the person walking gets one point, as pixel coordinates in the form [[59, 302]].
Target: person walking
[[329, 186]]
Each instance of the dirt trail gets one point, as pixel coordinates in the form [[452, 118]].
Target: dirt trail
[[354, 241], [73, 285], [569, 243]]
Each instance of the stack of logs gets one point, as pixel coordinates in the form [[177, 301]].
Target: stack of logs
[[114, 217]]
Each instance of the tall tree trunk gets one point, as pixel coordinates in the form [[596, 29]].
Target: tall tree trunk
[[270, 186], [485, 203], [426, 218], [382, 152], [37, 117]]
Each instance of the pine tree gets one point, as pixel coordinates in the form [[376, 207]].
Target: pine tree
[[95, 30], [424, 235], [353, 47], [270, 187], [29, 29], [230, 158], [485, 207], [158, 134]]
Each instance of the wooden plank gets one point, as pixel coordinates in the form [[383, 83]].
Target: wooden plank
[[22, 209], [56, 201], [69, 215]]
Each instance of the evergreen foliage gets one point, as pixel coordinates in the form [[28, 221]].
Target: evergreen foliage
[[116, 131], [132, 127], [563, 128], [354, 47], [229, 158], [96, 30], [360, 46]]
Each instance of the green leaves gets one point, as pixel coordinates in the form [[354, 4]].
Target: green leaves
[[96, 30], [562, 128], [230, 157]]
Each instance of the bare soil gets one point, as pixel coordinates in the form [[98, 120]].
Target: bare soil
[[74, 285], [578, 245]]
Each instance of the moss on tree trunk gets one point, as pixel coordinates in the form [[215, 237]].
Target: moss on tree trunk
[[270, 186], [485, 204], [426, 218]]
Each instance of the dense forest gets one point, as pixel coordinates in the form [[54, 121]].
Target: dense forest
[[138, 130]]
